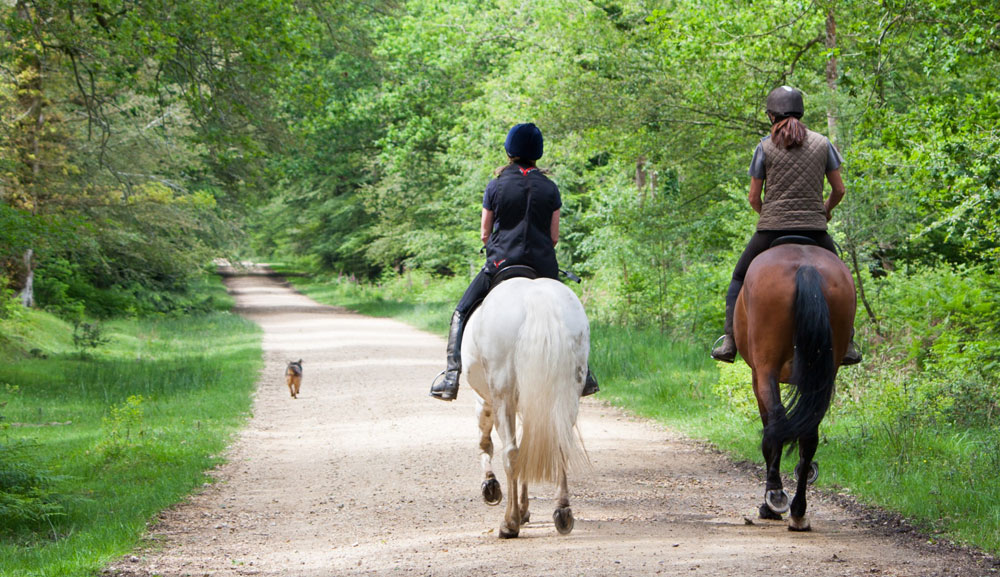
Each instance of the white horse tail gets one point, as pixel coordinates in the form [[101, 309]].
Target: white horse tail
[[549, 367]]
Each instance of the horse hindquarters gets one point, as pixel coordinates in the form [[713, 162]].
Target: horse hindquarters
[[549, 371], [813, 367], [813, 374], [550, 367], [525, 353]]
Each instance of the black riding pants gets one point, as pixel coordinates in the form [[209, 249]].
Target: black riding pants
[[476, 292], [759, 242]]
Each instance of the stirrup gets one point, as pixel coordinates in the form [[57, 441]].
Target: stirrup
[[720, 357], [444, 393], [851, 359]]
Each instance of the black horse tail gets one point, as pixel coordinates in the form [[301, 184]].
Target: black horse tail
[[813, 369]]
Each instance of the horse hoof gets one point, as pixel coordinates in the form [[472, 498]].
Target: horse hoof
[[563, 518], [777, 501], [506, 533], [813, 472], [798, 523], [491, 492], [525, 517], [765, 512]]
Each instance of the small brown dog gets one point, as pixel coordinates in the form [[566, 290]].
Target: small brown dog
[[293, 376]]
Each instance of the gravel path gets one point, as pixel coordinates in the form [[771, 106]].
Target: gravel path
[[364, 474]]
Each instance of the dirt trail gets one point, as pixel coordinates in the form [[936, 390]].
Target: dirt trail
[[364, 474]]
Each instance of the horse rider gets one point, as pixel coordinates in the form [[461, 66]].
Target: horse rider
[[519, 226], [793, 160]]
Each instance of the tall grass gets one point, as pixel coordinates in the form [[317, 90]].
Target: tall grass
[[943, 478], [123, 432]]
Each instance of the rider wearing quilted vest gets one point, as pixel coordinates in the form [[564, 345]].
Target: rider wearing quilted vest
[[793, 161], [519, 226]]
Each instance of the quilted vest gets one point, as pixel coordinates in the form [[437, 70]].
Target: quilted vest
[[793, 194]]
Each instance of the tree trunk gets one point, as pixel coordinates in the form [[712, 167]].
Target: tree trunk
[[640, 179], [31, 99], [861, 290], [831, 75], [27, 294]]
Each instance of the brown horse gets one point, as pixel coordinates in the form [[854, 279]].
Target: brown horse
[[792, 324]]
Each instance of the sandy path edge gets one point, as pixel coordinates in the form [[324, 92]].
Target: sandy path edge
[[366, 475]]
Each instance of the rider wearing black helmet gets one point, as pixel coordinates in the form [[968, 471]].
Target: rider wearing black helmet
[[794, 161], [519, 226]]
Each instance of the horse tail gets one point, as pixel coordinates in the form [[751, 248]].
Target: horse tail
[[546, 368], [813, 368]]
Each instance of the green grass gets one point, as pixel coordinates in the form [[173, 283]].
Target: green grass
[[121, 434], [940, 477]]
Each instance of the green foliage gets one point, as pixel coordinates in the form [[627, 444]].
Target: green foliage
[[734, 389], [123, 428], [941, 332], [110, 459], [357, 138], [87, 337], [27, 500], [9, 305]]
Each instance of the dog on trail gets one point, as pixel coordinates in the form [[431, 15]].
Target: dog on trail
[[293, 376]]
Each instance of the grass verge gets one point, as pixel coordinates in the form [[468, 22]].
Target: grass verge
[[119, 433], [942, 478]]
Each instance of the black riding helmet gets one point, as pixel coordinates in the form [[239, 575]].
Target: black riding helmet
[[785, 101], [524, 141]]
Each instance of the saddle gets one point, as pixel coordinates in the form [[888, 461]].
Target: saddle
[[513, 271], [793, 239], [507, 273]]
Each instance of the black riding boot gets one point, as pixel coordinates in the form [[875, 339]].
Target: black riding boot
[[853, 355], [589, 384], [447, 388], [726, 352]]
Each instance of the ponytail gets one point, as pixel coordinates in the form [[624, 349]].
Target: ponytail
[[512, 160], [788, 133]]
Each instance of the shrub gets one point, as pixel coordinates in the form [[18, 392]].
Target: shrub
[[88, 337], [26, 497], [123, 428]]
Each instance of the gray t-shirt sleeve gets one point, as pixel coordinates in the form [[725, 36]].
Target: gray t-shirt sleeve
[[757, 162], [833, 158]]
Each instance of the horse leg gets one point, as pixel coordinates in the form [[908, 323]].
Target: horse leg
[[563, 515], [506, 416], [768, 396], [525, 515], [490, 487], [797, 520]]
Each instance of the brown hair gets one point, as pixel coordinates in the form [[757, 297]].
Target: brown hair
[[788, 133], [511, 161]]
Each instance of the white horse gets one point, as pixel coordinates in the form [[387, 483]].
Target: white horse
[[525, 353]]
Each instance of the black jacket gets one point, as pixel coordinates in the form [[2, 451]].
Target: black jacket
[[522, 200]]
